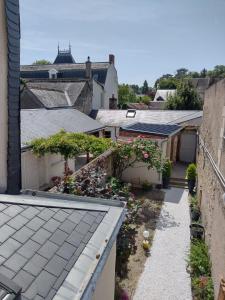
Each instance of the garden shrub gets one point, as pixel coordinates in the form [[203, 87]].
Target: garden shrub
[[191, 172]]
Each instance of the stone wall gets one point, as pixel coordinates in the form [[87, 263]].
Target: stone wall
[[210, 190]]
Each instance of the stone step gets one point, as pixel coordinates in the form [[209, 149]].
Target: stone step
[[178, 179]]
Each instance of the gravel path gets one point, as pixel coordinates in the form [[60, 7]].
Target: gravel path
[[165, 276]]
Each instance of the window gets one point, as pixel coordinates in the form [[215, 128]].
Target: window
[[107, 134], [52, 74], [131, 113]]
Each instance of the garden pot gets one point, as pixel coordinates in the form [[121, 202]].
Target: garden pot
[[166, 182], [191, 185], [197, 231], [195, 215]]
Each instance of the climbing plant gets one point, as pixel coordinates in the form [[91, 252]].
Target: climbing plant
[[69, 145], [139, 150]]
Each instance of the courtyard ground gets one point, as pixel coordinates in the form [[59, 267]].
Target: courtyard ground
[[165, 276]]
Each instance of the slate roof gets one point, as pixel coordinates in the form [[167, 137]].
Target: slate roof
[[163, 94], [55, 94], [64, 57], [155, 129], [37, 123], [48, 244], [117, 118], [77, 70]]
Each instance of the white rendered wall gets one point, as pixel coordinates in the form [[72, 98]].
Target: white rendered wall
[[111, 85], [139, 173], [3, 100], [105, 287], [38, 171]]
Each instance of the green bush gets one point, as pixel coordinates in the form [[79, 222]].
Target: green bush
[[191, 172], [167, 169], [147, 186], [200, 266]]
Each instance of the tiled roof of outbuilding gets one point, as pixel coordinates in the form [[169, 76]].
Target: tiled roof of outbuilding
[[37, 123], [43, 240]]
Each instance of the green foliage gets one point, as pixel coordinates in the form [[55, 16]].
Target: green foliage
[[167, 169], [147, 186], [217, 72], [200, 266], [125, 95], [115, 184], [170, 83], [145, 88], [138, 150], [194, 202], [185, 98], [191, 172], [145, 99], [181, 73], [42, 62]]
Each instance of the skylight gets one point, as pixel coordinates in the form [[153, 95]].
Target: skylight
[[131, 113]]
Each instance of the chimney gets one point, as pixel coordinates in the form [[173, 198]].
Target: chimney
[[112, 59], [88, 68]]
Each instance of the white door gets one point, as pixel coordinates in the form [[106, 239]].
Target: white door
[[188, 141]]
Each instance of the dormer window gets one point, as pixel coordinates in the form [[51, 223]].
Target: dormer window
[[53, 74], [131, 113]]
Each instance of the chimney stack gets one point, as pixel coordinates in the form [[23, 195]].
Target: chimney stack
[[88, 68], [112, 59]]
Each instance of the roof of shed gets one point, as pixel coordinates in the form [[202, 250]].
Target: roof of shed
[[49, 243], [37, 123], [155, 129], [118, 118]]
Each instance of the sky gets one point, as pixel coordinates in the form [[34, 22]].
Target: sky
[[149, 38]]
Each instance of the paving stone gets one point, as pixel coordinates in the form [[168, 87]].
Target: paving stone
[[29, 249], [6, 232], [56, 265], [35, 264], [41, 236], [35, 223], [59, 237], [23, 279], [9, 247], [48, 249], [15, 262], [23, 234]]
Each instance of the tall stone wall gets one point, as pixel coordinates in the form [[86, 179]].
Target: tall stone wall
[[210, 190]]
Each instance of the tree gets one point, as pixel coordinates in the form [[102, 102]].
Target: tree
[[185, 98], [169, 83], [145, 99], [135, 88], [42, 62], [218, 71], [145, 88], [125, 95], [181, 73]]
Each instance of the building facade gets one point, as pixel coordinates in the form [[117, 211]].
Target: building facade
[[211, 174]]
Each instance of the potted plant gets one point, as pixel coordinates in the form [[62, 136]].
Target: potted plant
[[191, 174], [194, 209], [166, 173], [197, 231]]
